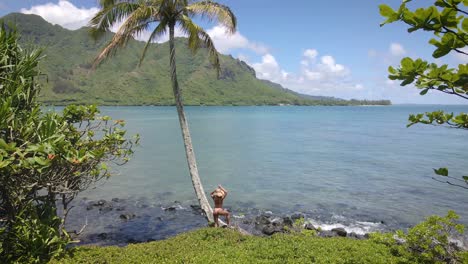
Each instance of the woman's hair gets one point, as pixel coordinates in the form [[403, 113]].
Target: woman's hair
[[219, 193]]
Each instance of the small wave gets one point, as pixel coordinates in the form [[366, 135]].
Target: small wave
[[357, 227]]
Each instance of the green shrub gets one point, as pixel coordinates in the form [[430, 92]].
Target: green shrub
[[35, 236], [46, 158], [216, 245], [427, 242]]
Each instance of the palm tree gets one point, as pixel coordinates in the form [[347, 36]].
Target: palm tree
[[141, 15]]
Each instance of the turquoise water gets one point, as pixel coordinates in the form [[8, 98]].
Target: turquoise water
[[336, 163]]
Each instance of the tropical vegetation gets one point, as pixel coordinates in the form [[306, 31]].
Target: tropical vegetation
[[446, 20], [46, 158], [425, 243]]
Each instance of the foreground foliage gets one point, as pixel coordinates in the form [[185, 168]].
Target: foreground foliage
[[215, 245], [427, 242], [46, 158], [446, 20]]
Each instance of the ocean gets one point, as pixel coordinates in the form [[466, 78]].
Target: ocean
[[355, 167]]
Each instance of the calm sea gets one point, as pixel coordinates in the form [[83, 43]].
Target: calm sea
[[354, 166]]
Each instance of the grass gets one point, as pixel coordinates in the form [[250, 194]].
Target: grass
[[210, 245]]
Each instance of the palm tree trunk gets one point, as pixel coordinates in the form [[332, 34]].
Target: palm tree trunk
[[192, 163]]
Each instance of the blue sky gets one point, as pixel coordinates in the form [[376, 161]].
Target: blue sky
[[333, 48]]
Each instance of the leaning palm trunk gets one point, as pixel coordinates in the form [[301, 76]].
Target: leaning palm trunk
[[192, 163], [138, 17]]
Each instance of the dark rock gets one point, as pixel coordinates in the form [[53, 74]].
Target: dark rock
[[310, 226], [270, 230], [115, 200], [326, 233], [127, 216], [247, 221], [106, 208], [100, 203], [132, 241], [340, 231], [262, 220], [196, 208], [170, 208], [287, 221], [297, 216], [120, 208], [277, 222], [102, 236], [89, 207], [356, 236]]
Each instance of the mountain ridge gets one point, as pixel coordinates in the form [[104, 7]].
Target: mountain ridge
[[69, 54]]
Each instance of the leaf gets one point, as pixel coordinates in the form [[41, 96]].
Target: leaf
[[465, 25], [442, 51], [441, 171], [423, 92], [40, 161], [386, 11], [389, 13]]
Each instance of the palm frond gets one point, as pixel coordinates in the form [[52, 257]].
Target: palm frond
[[157, 32], [214, 11], [112, 12], [199, 38], [138, 21]]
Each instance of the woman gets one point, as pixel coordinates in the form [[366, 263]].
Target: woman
[[218, 196]]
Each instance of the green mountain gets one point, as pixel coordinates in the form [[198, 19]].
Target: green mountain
[[119, 81]]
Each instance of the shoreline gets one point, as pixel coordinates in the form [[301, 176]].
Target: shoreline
[[120, 222]]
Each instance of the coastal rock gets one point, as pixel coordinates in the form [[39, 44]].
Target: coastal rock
[[340, 231], [262, 220], [106, 208], [356, 236], [277, 222], [309, 226], [102, 236], [170, 208], [127, 216], [116, 200], [270, 230], [327, 233], [287, 221], [100, 203], [297, 216], [120, 208], [196, 209]]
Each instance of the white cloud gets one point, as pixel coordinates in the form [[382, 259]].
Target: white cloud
[[226, 42], [268, 69], [317, 75], [396, 49], [63, 13], [359, 86], [310, 54]]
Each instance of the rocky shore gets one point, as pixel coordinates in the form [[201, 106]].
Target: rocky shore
[[132, 220]]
